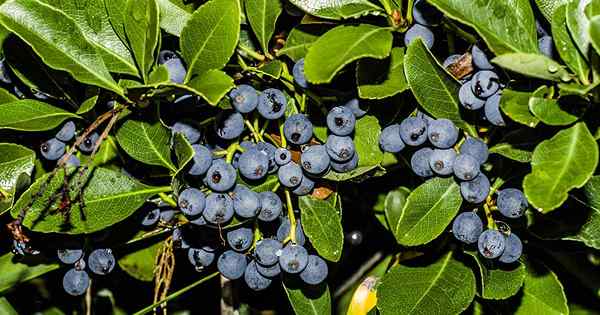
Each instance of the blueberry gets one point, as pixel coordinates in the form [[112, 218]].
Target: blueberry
[[290, 175], [72, 161], [244, 98], [315, 159], [167, 215], [298, 73], [199, 221], [268, 271], [546, 45], [190, 133], [390, 140], [419, 162], [416, 31], [484, 83], [272, 104], [354, 106], [441, 161], [178, 239], [69, 256], [4, 73], [267, 251], [253, 164], [221, 176], [67, 132], [316, 270], [512, 203], [413, 131], [293, 258], [476, 190], [512, 250], [298, 129], [229, 124], [201, 257], [232, 264], [76, 282], [539, 28], [255, 280], [480, 60], [466, 167], [467, 227], [246, 202], [269, 150], [343, 167], [282, 156], [340, 149], [341, 121], [442, 133], [270, 206], [492, 110], [219, 208], [283, 231], [491, 244], [88, 144], [202, 160], [452, 59], [173, 64], [468, 99], [240, 239], [52, 149], [305, 187], [101, 261], [191, 201], [151, 218], [475, 148]]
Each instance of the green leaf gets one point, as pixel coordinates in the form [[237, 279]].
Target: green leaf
[[308, 300], [589, 232], [58, 40], [91, 16], [15, 272], [515, 104], [16, 167], [444, 287], [32, 115], [7, 97], [210, 36], [146, 142], [506, 26], [578, 24], [517, 145], [6, 308], [183, 151], [434, 88], [107, 152], [564, 162], [323, 226], [142, 31], [140, 263], [533, 65], [337, 9], [212, 85], [564, 44], [542, 293], [377, 79], [301, 39], [172, 17], [262, 15], [594, 33], [549, 111], [394, 204], [109, 197], [547, 7], [88, 104], [498, 283], [428, 211], [343, 45]]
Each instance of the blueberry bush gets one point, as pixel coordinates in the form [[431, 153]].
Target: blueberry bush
[[299, 157]]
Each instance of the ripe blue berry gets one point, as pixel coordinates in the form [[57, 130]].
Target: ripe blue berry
[[442, 133], [268, 271], [270, 206], [284, 231], [343, 167], [340, 149], [316, 270], [191, 201], [290, 175], [202, 160], [416, 31], [272, 104], [255, 280], [190, 133], [229, 124], [475, 148], [4, 73], [246, 202], [441, 161], [221, 176], [491, 244], [466, 167], [231, 264], [298, 129], [240, 239], [244, 98], [67, 132], [492, 110], [546, 45], [419, 162], [173, 64], [69, 256], [267, 251], [480, 60], [354, 106], [413, 131], [167, 215], [88, 144], [178, 239], [468, 99], [101, 261], [484, 83], [253, 164], [305, 187], [75, 282], [219, 208], [467, 227], [282, 156], [315, 159], [512, 250], [298, 73], [151, 218], [201, 257], [512, 203], [293, 258], [341, 121], [476, 190], [52, 149], [390, 140], [268, 150]]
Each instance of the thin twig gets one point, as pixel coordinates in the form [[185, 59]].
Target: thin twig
[[358, 274]]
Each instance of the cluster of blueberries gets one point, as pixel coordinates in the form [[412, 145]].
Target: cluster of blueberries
[[76, 280], [492, 243], [56, 147], [424, 17]]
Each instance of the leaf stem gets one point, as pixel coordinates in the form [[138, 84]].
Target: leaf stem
[[167, 199], [491, 224], [281, 135], [231, 151], [256, 135], [291, 216], [251, 53]]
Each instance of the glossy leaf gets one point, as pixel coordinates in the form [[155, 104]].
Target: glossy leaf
[[337, 9], [533, 65], [565, 46], [146, 142], [589, 232], [515, 104], [308, 300], [564, 162], [377, 79], [498, 282], [172, 17], [14, 272], [542, 293], [212, 85], [142, 31], [517, 145], [32, 115], [301, 39], [394, 204], [140, 263], [322, 224], [594, 32], [549, 111], [548, 7], [262, 15], [578, 24], [16, 168]]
